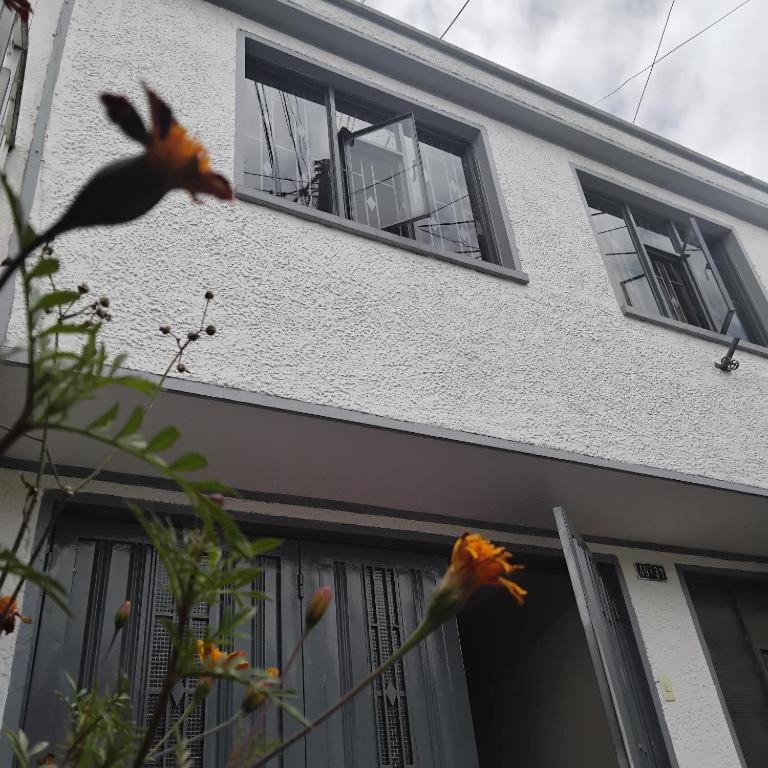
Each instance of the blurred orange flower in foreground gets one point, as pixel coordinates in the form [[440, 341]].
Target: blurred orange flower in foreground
[[216, 660], [129, 188], [22, 7], [9, 612]]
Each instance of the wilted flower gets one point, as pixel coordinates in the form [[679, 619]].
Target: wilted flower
[[317, 606], [129, 188], [122, 614], [9, 612], [216, 660], [475, 561], [22, 7]]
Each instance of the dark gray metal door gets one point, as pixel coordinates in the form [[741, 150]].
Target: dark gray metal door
[[623, 687], [102, 563], [418, 713], [416, 717]]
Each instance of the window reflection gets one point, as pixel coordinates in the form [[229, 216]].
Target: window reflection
[[453, 223], [624, 266], [287, 147]]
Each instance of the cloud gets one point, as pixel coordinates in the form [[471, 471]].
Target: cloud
[[711, 95]]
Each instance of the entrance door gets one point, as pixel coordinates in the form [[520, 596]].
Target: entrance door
[[623, 685], [416, 716]]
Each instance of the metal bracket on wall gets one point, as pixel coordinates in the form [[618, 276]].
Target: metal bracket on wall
[[727, 363]]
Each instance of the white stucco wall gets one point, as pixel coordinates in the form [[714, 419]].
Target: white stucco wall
[[311, 313], [695, 720]]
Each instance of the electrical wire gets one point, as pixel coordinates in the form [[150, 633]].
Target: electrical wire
[[670, 52], [655, 56], [461, 10]]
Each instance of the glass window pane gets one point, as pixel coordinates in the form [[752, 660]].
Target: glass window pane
[[624, 266], [384, 174], [654, 231], [287, 146], [716, 303], [454, 222]]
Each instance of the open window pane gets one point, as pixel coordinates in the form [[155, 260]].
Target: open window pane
[[625, 268], [713, 295], [385, 184], [286, 145]]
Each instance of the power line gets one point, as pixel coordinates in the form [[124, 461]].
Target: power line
[[670, 52], [655, 55], [461, 10]]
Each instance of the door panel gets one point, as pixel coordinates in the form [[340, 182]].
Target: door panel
[[624, 689], [417, 714]]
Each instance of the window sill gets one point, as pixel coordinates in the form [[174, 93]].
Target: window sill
[[329, 220], [692, 330]]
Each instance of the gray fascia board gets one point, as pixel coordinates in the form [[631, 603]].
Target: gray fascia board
[[300, 23]]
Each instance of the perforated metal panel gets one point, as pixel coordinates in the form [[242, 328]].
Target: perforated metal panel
[[159, 654], [393, 730]]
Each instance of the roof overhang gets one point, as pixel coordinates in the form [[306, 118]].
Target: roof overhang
[[297, 452]]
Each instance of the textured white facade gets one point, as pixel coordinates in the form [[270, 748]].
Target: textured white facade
[[310, 313]]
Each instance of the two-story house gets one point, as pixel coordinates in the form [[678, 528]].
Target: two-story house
[[447, 297]]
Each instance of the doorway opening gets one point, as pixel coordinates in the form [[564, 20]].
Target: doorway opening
[[533, 693]]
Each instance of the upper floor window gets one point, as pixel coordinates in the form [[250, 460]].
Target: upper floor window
[[663, 264], [368, 158]]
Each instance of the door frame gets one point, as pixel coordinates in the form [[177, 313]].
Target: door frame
[[296, 528]]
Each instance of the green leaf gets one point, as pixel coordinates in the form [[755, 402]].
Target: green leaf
[[55, 299], [48, 584], [117, 363], [105, 419], [60, 328], [132, 424], [163, 440], [264, 545], [24, 231], [145, 386], [189, 462], [211, 486], [44, 268]]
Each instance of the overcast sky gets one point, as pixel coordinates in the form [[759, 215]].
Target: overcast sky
[[711, 95]]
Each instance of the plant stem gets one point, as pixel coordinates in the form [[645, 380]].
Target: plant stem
[[213, 729], [418, 635]]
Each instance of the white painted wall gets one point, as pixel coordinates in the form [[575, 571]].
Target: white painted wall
[[311, 313], [696, 723]]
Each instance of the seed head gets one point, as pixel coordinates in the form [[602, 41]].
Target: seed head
[[104, 301], [181, 368], [83, 288], [193, 336], [165, 329], [210, 330], [209, 295]]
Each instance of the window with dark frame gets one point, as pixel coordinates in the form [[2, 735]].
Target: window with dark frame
[[315, 146], [666, 266]]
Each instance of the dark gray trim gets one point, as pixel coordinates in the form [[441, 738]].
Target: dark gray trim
[[681, 569], [35, 154], [489, 189], [313, 502], [401, 65], [641, 647], [379, 235], [693, 330], [193, 388]]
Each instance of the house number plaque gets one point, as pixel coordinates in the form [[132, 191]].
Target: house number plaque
[[650, 572]]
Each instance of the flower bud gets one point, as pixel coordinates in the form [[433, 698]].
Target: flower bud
[[210, 330], [83, 288], [104, 301], [165, 329], [181, 368], [193, 335], [203, 688], [254, 697], [217, 499], [317, 606], [122, 614], [209, 295]]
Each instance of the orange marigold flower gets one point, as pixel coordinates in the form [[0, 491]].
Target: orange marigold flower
[[214, 659], [22, 7], [9, 612], [475, 561], [272, 672]]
